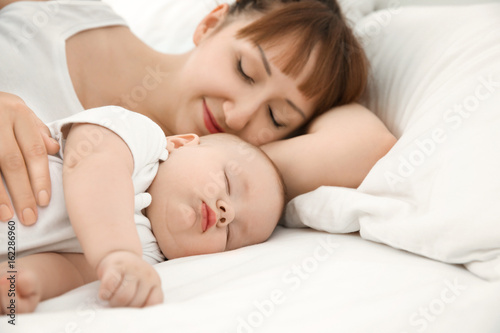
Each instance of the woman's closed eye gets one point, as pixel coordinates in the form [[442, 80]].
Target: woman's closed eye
[[242, 72], [273, 119], [250, 80]]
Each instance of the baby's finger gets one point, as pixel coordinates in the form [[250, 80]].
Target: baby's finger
[[110, 282], [141, 295], [144, 293], [155, 297], [125, 293]]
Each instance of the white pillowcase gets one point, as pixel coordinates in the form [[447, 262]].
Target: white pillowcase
[[168, 25], [436, 84], [165, 25]]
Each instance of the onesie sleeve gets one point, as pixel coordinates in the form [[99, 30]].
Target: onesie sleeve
[[143, 136]]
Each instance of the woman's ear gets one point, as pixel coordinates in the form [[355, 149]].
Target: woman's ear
[[209, 22], [183, 140]]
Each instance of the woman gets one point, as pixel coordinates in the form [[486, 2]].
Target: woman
[[261, 69]]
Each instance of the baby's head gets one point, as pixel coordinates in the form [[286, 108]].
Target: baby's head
[[213, 194]]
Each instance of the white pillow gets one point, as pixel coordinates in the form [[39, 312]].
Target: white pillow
[[436, 84], [165, 25], [168, 25]]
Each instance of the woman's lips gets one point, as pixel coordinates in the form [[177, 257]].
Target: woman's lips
[[210, 122], [208, 217]]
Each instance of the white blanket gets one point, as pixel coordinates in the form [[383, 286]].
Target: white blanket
[[299, 281]]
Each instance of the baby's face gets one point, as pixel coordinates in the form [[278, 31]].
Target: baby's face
[[214, 196]]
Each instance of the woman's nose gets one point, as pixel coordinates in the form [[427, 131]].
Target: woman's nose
[[226, 212], [238, 115]]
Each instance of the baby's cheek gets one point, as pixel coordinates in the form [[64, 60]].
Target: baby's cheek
[[185, 219]]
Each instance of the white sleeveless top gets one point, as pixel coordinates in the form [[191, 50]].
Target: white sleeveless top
[[33, 62]]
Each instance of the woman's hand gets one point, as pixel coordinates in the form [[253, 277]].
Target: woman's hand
[[127, 280], [24, 144]]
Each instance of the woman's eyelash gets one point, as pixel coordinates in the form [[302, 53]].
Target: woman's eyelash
[[275, 122], [242, 72], [250, 80]]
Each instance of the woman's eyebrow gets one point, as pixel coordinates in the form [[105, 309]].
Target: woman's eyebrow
[[264, 60], [296, 108]]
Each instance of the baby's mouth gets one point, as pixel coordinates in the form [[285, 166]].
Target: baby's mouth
[[208, 217]]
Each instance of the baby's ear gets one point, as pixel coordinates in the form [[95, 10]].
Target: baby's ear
[[177, 141]]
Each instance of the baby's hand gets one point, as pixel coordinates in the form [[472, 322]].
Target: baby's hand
[[127, 280]]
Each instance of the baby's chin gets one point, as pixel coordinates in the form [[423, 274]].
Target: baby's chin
[[170, 253], [176, 253]]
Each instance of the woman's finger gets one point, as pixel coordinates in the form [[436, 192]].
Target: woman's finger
[[32, 146], [6, 210], [51, 145], [23, 159], [14, 171]]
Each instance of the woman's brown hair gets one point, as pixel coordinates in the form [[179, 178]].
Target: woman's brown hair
[[340, 72]]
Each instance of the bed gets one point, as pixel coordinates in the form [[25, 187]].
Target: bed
[[416, 248]]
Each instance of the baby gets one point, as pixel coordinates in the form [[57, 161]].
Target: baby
[[129, 209]]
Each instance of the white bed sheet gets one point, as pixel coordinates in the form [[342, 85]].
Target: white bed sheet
[[299, 281]]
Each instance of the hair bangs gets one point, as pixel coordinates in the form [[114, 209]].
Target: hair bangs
[[311, 32]]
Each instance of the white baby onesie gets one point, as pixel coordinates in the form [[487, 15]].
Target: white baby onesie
[[53, 231]]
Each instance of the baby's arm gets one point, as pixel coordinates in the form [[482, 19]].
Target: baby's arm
[[99, 196]]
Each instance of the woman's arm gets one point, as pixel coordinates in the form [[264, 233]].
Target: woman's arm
[[24, 144], [99, 194], [339, 149]]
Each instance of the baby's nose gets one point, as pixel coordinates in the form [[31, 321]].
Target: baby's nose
[[226, 212]]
